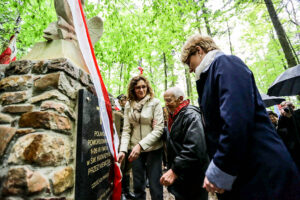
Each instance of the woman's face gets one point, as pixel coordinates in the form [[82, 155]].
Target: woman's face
[[140, 89], [195, 59]]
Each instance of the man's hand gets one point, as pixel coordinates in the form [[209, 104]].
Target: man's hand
[[121, 157], [211, 187], [168, 178], [135, 153]]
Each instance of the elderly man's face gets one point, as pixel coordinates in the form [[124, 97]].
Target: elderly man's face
[[171, 101]]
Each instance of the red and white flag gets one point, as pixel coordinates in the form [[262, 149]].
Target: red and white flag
[[9, 54], [87, 51]]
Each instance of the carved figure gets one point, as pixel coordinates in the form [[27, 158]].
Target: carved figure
[[63, 28]]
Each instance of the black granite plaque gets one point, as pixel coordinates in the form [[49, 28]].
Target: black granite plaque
[[94, 162]]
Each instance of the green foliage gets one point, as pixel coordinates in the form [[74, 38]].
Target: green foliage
[[35, 17], [142, 31]]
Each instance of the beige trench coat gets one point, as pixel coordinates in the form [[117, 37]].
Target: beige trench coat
[[143, 133]]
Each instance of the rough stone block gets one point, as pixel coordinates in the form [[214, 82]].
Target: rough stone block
[[24, 131], [36, 182], [15, 83], [13, 97], [59, 107], [74, 83], [40, 149], [63, 64], [60, 64], [17, 108], [22, 181], [6, 134], [2, 70], [15, 183], [18, 67], [48, 81], [85, 78], [40, 67], [5, 119], [53, 94], [48, 120], [55, 81], [62, 180]]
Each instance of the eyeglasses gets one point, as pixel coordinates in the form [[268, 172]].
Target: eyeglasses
[[140, 87]]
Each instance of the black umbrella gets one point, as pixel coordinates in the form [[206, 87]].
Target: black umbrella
[[271, 101], [287, 83]]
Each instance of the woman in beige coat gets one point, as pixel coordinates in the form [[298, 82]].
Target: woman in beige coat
[[141, 139]]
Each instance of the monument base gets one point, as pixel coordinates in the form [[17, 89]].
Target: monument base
[[52, 146], [57, 49]]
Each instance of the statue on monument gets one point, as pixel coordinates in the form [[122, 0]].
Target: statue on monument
[[61, 37]]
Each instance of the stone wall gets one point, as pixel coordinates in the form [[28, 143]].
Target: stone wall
[[37, 129]]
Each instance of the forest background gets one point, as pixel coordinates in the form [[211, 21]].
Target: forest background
[[150, 34]]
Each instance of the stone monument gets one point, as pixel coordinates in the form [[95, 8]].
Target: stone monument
[[52, 146], [61, 38]]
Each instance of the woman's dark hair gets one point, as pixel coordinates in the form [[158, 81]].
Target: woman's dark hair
[[131, 87]]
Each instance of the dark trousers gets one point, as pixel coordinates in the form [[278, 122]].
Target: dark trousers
[[125, 167], [148, 164]]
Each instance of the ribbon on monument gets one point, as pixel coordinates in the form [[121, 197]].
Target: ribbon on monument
[[87, 51], [9, 54]]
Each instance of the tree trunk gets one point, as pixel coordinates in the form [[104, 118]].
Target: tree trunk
[[172, 71], [205, 13], [278, 52], [188, 84], [120, 83], [229, 38], [151, 75], [198, 20], [281, 34], [126, 77], [165, 69]]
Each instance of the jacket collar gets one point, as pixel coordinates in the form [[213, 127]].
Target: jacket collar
[[205, 63], [178, 109]]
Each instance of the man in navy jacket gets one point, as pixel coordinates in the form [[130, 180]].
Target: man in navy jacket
[[248, 159]]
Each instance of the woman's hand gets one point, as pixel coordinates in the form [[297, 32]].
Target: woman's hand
[[121, 157], [135, 153], [154, 122]]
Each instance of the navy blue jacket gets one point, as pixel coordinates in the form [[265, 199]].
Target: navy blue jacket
[[248, 157]]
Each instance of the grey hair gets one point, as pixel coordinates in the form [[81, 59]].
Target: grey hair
[[176, 91]]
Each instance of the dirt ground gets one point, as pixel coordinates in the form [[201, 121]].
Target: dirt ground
[[168, 196]]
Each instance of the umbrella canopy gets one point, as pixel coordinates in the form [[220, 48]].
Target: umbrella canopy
[[270, 100], [287, 83]]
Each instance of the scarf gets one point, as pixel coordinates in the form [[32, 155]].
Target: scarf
[[136, 109], [205, 63], [178, 109]]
